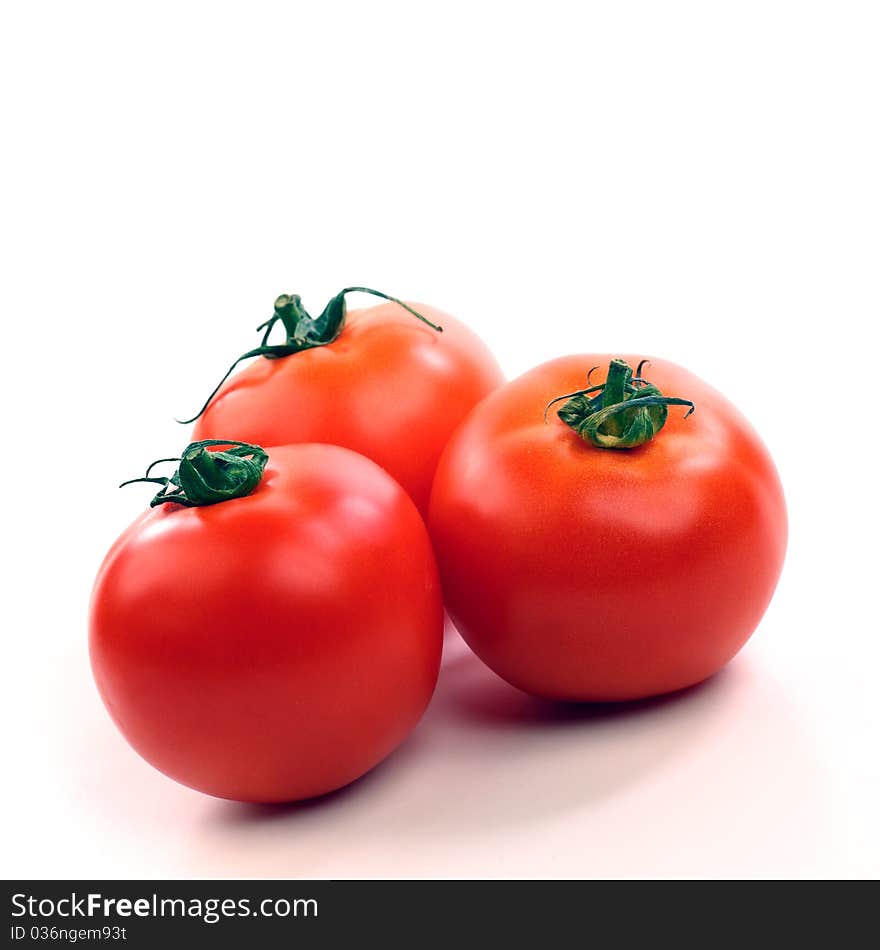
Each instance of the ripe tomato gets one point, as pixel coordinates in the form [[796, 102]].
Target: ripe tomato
[[586, 573], [378, 381], [275, 646]]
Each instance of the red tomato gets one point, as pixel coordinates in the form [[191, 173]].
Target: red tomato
[[388, 386], [585, 573], [275, 646]]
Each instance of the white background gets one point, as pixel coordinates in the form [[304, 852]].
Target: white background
[[692, 180]]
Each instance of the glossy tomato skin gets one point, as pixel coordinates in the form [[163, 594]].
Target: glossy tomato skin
[[277, 646], [589, 574], [388, 387]]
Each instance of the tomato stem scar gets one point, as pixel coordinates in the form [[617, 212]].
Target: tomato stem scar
[[302, 331], [206, 478], [623, 412]]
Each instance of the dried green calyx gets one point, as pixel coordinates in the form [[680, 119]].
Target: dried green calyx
[[206, 478], [623, 412]]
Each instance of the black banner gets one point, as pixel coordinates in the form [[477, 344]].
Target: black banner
[[129, 915]]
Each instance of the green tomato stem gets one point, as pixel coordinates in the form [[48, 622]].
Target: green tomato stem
[[207, 478], [622, 413]]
